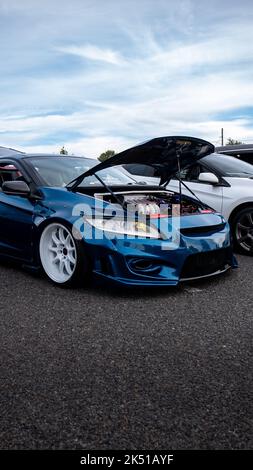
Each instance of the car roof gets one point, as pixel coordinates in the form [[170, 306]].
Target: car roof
[[42, 155], [235, 148], [21, 155], [8, 151]]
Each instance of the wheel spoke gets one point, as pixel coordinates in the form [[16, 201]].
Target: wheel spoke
[[62, 236], [53, 248], [71, 258], [244, 231], [242, 226], [242, 239], [61, 266], [250, 218], [68, 241], [55, 238], [68, 267]]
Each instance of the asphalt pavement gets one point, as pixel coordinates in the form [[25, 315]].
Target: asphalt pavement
[[145, 369]]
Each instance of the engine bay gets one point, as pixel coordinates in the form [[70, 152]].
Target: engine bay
[[155, 203]]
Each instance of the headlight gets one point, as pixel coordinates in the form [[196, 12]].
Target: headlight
[[126, 227]]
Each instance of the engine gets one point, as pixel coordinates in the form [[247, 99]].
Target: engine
[[155, 203]]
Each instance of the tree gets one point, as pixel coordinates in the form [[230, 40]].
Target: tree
[[63, 151], [105, 155], [233, 142]]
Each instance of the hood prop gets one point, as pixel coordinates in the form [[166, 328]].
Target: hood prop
[[178, 152], [120, 202], [72, 185], [180, 180], [188, 189]]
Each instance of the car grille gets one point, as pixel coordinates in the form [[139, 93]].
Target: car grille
[[203, 264], [195, 231]]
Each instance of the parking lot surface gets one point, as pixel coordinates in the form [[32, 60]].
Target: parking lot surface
[[145, 369]]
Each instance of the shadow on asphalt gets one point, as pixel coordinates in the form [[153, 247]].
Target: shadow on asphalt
[[155, 291], [115, 291]]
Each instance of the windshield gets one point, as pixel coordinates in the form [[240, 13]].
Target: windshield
[[228, 166], [59, 171]]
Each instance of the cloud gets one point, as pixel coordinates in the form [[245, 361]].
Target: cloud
[[94, 53], [93, 77]]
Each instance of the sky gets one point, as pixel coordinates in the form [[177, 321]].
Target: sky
[[94, 75]]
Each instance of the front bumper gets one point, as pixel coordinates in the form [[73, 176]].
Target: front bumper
[[142, 262]]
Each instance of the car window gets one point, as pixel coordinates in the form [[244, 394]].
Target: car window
[[139, 169], [228, 166], [60, 171], [191, 173], [8, 172]]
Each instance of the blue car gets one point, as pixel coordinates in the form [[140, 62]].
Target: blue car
[[83, 221]]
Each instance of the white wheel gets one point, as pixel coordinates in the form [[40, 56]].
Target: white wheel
[[58, 253]]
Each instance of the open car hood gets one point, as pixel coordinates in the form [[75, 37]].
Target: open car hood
[[165, 154]]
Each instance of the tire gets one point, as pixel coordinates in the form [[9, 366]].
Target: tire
[[242, 231], [62, 257]]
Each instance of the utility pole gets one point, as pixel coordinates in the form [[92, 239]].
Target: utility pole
[[222, 137]]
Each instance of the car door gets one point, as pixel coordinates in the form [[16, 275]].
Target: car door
[[16, 218], [210, 194]]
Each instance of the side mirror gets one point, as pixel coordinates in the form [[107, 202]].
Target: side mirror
[[16, 188], [210, 178]]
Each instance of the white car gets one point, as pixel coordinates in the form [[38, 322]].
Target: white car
[[223, 183]]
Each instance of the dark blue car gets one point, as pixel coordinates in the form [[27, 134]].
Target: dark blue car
[[81, 220]]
